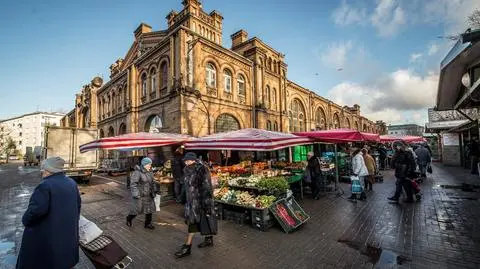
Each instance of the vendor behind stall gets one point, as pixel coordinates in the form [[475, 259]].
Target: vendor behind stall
[[177, 171], [315, 171]]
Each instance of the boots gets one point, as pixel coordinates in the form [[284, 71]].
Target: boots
[[207, 243], [148, 222], [353, 197], [129, 220], [184, 251]]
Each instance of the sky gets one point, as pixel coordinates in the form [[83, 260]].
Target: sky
[[381, 54]]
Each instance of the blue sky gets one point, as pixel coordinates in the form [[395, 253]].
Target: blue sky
[[388, 50]]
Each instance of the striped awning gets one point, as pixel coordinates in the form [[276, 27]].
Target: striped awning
[[340, 135], [249, 139], [135, 141], [404, 138]]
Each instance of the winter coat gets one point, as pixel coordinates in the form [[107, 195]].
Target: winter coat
[[199, 193], [358, 165], [50, 239], [404, 164], [314, 168], [423, 156], [177, 166], [143, 190], [370, 163]]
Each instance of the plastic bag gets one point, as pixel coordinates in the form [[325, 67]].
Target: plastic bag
[[356, 185], [157, 202], [87, 230]]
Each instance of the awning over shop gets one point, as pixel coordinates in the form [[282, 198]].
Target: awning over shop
[[404, 138], [464, 127], [443, 125], [247, 140], [451, 93], [135, 141], [340, 135]]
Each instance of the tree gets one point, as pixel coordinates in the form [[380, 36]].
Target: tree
[[7, 146], [474, 19]]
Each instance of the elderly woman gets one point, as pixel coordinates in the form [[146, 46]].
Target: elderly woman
[[371, 167], [360, 170], [199, 206], [143, 193]]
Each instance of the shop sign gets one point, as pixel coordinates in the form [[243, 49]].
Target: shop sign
[[451, 139]]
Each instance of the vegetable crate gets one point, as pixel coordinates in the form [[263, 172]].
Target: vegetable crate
[[289, 214], [262, 219], [237, 217]]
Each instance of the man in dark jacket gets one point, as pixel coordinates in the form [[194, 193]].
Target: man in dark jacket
[[315, 175], [474, 154], [50, 239], [177, 172], [383, 156], [403, 162]]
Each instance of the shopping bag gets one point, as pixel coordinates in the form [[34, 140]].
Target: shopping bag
[[87, 230], [356, 185], [429, 169], [307, 176], [157, 202], [208, 224]]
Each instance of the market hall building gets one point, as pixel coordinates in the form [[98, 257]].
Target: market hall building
[[182, 80], [459, 91]]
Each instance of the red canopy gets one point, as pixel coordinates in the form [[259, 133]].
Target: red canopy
[[247, 140], [404, 138], [135, 141], [340, 135]]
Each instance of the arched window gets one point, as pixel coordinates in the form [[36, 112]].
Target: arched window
[[267, 96], [320, 119], [111, 132], [336, 121], [123, 129], [226, 123], [211, 76], [347, 123], [227, 80], [102, 134], [114, 103], [365, 128], [144, 84], [275, 126], [275, 66], [100, 110], [164, 74], [153, 80], [241, 85], [269, 125], [154, 124], [356, 126], [297, 116], [274, 98]]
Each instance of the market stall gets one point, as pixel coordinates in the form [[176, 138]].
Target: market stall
[[404, 138], [255, 193], [138, 141]]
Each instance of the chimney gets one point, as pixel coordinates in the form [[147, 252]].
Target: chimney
[[142, 29], [238, 38]]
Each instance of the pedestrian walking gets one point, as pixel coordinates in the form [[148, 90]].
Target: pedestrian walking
[[143, 191], [51, 238], [199, 205], [423, 160], [177, 171], [402, 162], [315, 171], [360, 170], [382, 156], [371, 167], [474, 152]]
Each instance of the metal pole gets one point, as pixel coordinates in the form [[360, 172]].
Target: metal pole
[[336, 166]]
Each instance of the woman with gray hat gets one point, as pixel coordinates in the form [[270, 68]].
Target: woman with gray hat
[[199, 206], [143, 192]]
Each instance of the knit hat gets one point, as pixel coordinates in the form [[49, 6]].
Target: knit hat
[[190, 156], [53, 165], [146, 161]]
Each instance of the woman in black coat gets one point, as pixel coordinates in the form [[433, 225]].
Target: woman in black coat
[[199, 206]]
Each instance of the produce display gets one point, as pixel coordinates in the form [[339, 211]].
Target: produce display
[[243, 198], [274, 184]]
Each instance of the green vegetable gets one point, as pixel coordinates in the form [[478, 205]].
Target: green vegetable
[[275, 185]]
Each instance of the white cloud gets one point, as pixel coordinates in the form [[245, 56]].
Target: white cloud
[[451, 13], [392, 98], [388, 17], [415, 57], [335, 55], [345, 14], [432, 49]]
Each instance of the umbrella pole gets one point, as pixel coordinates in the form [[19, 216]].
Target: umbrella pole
[[336, 166]]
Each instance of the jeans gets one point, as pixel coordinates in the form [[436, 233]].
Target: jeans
[[407, 186], [316, 186], [148, 218], [179, 191], [423, 169]]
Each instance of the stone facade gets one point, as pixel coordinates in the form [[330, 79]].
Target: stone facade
[[183, 80]]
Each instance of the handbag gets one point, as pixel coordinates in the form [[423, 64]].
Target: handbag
[[429, 169], [208, 224], [157, 200], [356, 185]]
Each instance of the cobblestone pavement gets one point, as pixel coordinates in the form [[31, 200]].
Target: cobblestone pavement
[[440, 231]]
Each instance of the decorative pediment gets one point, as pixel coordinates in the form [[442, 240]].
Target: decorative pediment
[[115, 68]]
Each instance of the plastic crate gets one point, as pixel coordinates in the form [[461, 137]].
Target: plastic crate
[[237, 217], [287, 208], [262, 219]]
